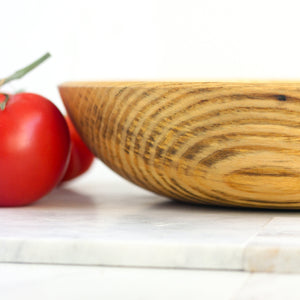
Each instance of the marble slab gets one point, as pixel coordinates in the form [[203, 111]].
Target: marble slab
[[276, 248], [111, 222], [262, 286], [61, 282]]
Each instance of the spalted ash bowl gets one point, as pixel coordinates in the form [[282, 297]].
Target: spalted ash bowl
[[219, 143]]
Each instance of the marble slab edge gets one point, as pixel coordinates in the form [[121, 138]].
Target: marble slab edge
[[274, 249], [116, 253]]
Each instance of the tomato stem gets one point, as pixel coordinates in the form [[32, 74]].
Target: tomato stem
[[4, 102], [20, 73]]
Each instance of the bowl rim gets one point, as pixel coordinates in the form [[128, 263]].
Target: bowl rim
[[178, 84]]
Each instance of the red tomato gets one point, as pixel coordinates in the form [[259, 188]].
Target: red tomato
[[35, 148], [81, 157]]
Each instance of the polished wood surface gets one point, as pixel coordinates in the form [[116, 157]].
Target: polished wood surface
[[219, 143]]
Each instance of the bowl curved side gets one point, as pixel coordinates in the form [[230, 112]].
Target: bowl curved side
[[231, 144]]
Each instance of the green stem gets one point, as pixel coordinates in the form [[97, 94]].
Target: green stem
[[20, 73], [4, 102]]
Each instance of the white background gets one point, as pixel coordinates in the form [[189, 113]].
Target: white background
[[144, 40]]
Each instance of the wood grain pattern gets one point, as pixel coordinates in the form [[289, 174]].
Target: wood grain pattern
[[220, 143]]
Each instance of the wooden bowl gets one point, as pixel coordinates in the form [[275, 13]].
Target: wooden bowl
[[219, 143]]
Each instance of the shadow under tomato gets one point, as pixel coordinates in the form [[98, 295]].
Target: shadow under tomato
[[63, 197]]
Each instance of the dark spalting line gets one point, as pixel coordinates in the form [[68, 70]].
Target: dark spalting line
[[265, 96], [266, 203], [165, 184], [198, 147], [94, 136], [204, 194], [137, 150], [146, 94], [235, 109], [252, 134], [202, 129], [252, 121], [235, 97], [193, 150], [172, 151], [227, 97], [106, 104], [216, 197], [146, 184], [172, 185], [118, 128], [218, 156], [158, 151], [232, 200], [248, 202], [238, 109], [279, 174], [212, 160], [150, 139], [229, 111], [141, 180], [205, 90], [200, 193], [134, 102], [199, 103], [226, 197], [281, 97], [95, 110], [108, 110], [84, 118], [118, 124], [120, 92], [183, 192], [111, 156], [222, 154], [169, 104], [216, 113], [155, 132], [165, 103], [96, 102], [172, 191], [122, 98], [120, 95], [136, 147]]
